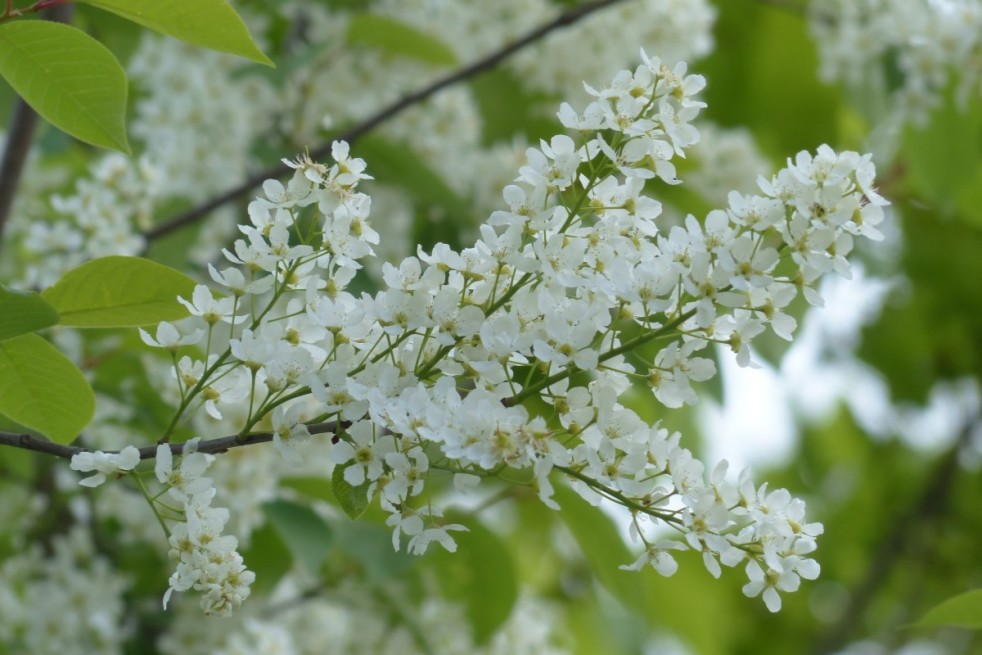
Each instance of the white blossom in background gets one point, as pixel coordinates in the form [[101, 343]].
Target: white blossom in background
[[726, 159], [904, 49], [102, 217], [348, 620], [674, 30], [50, 604], [197, 122]]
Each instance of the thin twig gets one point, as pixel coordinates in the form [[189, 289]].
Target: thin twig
[[217, 445], [564, 19], [20, 135]]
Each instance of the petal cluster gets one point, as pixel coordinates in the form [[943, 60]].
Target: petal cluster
[[576, 290]]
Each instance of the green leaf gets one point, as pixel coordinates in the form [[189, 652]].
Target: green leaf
[[317, 488], [119, 292], [603, 547], [509, 108], [370, 545], [943, 155], [268, 557], [439, 209], [69, 78], [353, 500], [211, 24], [42, 389], [305, 533], [22, 312], [746, 72], [481, 575], [397, 38], [961, 611], [928, 330]]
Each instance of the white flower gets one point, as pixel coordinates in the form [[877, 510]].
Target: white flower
[[419, 543], [367, 452], [104, 464], [186, 480], [656, 556], [769, 583], [288, 431], [233, 280], [169, 338], [203, 304]]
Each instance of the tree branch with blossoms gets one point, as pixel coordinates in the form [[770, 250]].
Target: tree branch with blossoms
[[575, 292], [352, 134], [214, 446]]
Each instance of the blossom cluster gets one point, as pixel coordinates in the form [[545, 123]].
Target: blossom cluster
[[101, 217], [207, 560], [571, 294]]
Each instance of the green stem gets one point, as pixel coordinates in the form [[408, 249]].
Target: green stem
[[153, 506], [627, 346], [210, 370], [617, 496]]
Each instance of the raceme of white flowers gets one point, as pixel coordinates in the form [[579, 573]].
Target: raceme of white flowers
[[571, 295]]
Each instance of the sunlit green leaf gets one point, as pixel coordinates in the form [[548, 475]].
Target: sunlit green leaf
[[943, 155], [509, 108], [22, 312], [313, 487], [396, 163], [928, 330], [42, 389], [603, 547], [962, 611], [120, 292], [69, 78], [768, 83], [210, 24], [397, 38]]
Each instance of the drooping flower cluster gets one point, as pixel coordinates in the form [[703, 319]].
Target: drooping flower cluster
[[571, 294], [207, 560]]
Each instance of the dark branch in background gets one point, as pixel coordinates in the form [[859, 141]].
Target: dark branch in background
[[217, 445], [484, 64], [20, 134], [930, 505]]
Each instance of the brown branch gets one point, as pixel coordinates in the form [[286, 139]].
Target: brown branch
[[217, 445], [929, 505], [20, 134], [564, 19]]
